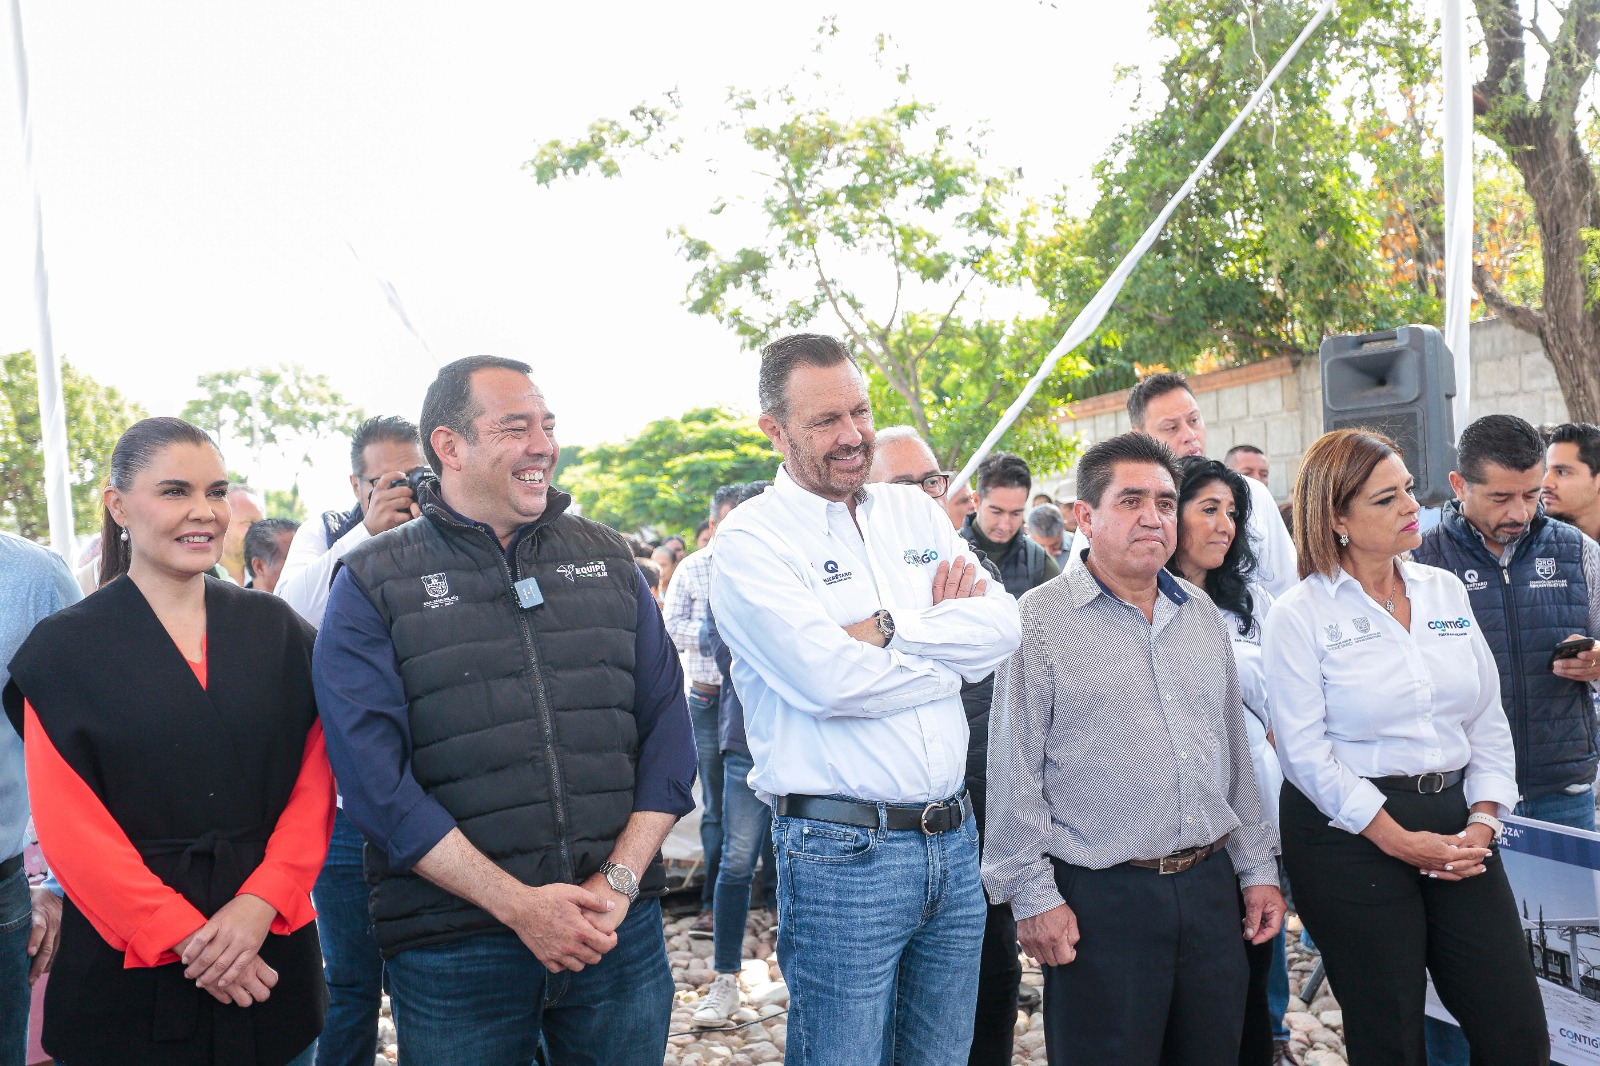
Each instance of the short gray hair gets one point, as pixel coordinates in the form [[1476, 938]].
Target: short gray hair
[[1046, 521]]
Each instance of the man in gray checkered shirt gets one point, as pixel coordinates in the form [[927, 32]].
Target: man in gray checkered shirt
[[1124, 818]]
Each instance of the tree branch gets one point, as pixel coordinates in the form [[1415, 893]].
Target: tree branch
[[1502, 39], [1526, 319]]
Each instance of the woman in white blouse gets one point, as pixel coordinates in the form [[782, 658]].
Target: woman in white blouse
[[1213, 505], [1398, 760]]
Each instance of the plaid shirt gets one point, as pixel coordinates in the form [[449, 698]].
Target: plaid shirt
[[688, 600]]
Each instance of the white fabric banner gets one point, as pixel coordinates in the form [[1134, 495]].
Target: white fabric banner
[[1458, 209]]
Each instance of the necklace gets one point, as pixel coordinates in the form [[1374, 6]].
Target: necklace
[[1394, 576]]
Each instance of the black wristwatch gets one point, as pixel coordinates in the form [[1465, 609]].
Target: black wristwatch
[[622, 879], [885, 622]]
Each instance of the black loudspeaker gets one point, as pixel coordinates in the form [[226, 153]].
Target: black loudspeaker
[[1401, 383]]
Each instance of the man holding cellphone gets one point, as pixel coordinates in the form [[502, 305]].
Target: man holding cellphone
[[1534, 582]]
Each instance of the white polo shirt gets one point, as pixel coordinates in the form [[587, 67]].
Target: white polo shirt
[[1356, 695], [828, 714]]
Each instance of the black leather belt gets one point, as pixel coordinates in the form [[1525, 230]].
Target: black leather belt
[[1187, 859], [931, 819], [1427, 784], [10, 866]]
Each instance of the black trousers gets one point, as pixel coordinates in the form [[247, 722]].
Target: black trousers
[[1255, 1045], [1160, 974], [999, 970], [1380, 924]]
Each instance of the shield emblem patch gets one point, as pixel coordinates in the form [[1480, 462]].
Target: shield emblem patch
[[437, 585], [1545, 568]]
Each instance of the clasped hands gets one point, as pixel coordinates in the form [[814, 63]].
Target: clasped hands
[[568, 927], [222, 955]]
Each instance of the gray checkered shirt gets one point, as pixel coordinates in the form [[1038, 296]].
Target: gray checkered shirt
[[1112, 738]]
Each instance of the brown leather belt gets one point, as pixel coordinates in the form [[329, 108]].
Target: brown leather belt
[[704, 689], [1179, 861]]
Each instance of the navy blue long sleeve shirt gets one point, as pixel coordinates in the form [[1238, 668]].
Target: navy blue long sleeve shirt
[[366, 719]]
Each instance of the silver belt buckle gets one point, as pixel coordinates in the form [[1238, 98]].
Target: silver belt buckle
[[1421, 778], [1175, 868], [931, 809]]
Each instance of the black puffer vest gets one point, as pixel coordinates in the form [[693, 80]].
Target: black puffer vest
[[522, 719], [1021, 568], [1525, 610]]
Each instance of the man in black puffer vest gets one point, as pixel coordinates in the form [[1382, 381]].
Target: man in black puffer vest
[[506, 717], [1533, 582], [996, 528]]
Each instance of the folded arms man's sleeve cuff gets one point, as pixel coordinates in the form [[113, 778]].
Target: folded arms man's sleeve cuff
[[423, 826]]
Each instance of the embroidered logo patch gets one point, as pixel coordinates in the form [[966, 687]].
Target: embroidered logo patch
[[1545, 568], [1362, 624], [1470, 576], [1335, 634], [913, 557], [436, 585], [1450, 625], [573, 571], [832, 573]]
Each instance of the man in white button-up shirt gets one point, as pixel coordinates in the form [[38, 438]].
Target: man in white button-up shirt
[[854, 613]]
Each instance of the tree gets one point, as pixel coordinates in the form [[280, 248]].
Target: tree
[[96, 416], [886, 226], [664, 477], [1541, 135], [267, 409]]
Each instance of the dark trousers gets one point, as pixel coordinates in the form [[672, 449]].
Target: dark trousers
[[1255, 1045], [1160, 974], [999, 975], [350, 959], [1381, 926]]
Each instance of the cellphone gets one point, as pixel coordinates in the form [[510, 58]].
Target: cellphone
[[1569, 649]]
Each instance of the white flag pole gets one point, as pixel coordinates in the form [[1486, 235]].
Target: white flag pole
[[1095, 310], [1458, 206], [52, 410]]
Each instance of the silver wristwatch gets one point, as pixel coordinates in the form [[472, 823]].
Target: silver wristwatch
[[885, 622], [1494, 824], [622, 879]]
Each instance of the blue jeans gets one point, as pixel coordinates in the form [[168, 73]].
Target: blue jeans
[[1447, 1046], [1278, 986], [16, 926], [879, 934], [487, 999], [350, 959], [1574, 812], [746, 829], [707, 746]]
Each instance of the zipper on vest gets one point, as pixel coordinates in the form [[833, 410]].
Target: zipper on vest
[[557, 785], [1510, 599]]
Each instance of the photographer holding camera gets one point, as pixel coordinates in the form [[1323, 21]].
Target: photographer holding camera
[[386, 466]]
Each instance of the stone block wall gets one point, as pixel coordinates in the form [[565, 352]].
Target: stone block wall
[[1276, 405]]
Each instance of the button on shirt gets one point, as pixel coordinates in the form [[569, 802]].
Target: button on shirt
[[1115, 738], [827, 714], [1355, 694]]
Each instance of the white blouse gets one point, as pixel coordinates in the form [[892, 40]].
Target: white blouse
[[1253, 690], [1355, 695]]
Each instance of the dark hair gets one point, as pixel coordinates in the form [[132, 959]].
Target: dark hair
[[1098, 464], [1586, 437], [261, 541], [779, 359], [1504, 440], [1229, 584], [135, 450], [651, 572], [750, 490], [450, 403], [375, 429], [1002, 470], [725, 496], [701, 528], [1155, 385], [1332, 471], [639, 548], [1248, 449]]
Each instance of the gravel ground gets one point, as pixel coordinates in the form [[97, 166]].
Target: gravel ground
[[1317, 1028]]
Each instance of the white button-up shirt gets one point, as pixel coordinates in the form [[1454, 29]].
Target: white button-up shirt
[[1356, 695], [827, 714]]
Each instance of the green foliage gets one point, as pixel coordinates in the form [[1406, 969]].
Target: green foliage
[[269, 408], [645, 129], [883, 226], [286, 504], [664, 477], [96, 417]]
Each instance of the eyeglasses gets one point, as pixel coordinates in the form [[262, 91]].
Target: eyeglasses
[[935, 485]]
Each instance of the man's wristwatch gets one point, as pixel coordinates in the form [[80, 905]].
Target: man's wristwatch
[[622, 879], [885, 626], [1494, 824]]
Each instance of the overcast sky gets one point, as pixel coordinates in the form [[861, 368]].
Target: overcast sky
[[203, 166]]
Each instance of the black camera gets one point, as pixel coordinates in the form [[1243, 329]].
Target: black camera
[[413, 480]]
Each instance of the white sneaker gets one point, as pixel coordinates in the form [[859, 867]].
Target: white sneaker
[[722, 999]]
